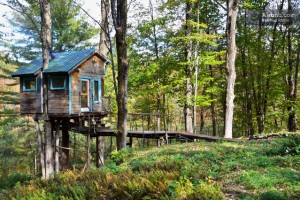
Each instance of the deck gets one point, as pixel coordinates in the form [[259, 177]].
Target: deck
[[150, 134]]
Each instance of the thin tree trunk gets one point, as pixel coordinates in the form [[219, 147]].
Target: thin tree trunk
[[40, 146], [49, 150], [212, 105], [248, 97], [291, 95], [46, 26], [232, 9], [196, 63], [119, 15], [202, 122], [188, 70], [158, 95]]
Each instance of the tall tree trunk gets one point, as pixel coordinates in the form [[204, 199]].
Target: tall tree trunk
[[158, 73], [248, 96], [212, 105], [188, 70], [232, 9], [46, 52], [291, 87], [100, 140], [119, 16], [196, 63]]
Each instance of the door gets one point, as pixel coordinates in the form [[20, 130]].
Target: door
[[85, 99]]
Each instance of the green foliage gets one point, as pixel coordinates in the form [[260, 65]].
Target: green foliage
[[119, 157], [292, 147], [183, 171], [270, 195], [14, 180]]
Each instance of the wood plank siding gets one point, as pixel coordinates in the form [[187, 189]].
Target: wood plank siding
[[58, 101], [92, 69], [30, 102]]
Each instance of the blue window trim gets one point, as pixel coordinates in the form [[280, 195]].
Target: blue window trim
[[58, 88], [29, 90], [99, 89], [70, 93], [90, 89]]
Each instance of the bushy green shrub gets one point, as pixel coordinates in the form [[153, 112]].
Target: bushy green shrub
[[271, 195], [119, 157], [292, 147], [14, 179]]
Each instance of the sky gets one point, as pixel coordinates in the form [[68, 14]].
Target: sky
[[91, 6]]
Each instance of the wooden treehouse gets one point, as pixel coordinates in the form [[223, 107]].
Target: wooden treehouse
[[74, 87]]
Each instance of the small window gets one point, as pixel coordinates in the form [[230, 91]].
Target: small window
[[58, 83], [96, 90], [29, 84]]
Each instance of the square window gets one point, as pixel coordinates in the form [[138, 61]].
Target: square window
[[29, 84], [58, 83]]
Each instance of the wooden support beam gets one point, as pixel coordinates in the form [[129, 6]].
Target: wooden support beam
[[49, 150], [88, 143], [57, 133], [65, 152], [40, 143]]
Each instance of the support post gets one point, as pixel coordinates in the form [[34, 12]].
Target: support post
[[100, 141], [88, 159], [40, 143], [65, 154], [57, 146], [130, 142], [49, 149]]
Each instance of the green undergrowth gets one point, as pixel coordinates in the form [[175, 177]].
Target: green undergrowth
[[266, 169]]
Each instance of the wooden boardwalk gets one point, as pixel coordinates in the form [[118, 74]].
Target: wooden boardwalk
[[184, 136]]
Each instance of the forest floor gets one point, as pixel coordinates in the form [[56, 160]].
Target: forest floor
[[261, 169]]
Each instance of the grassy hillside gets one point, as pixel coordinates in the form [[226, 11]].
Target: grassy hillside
[[266, 169]]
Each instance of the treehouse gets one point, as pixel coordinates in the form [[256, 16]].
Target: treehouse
[[73, 81]]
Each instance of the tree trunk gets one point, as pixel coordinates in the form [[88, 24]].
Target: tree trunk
[[196, 63], [104, 31], [291, 94], [202, 122], [103, 49], [57, 166], [232, 9], [119, 15], [49, 150], [40, 146], [46, 52], [188, 70], [100, 151], [248, 96]]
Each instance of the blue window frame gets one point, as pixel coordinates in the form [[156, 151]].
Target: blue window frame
[[58, 82], [29, 84]]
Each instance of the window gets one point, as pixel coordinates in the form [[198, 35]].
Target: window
[[29, 84], [58, 83], [96, 90]]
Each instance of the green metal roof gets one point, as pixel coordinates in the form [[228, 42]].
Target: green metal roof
[[62, 62]]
